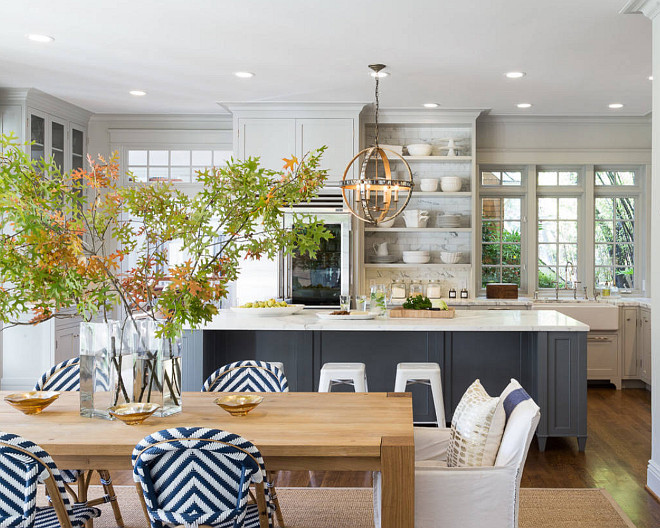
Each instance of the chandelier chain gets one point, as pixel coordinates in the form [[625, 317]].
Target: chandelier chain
[[377, 108]]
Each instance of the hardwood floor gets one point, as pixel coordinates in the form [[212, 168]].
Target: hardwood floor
[[618, 451]]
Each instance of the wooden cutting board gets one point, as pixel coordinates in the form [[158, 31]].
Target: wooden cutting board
[[423, 314]]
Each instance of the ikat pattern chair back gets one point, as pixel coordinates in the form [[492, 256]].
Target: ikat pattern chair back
[[247, 376], [195, 476], [23, 465]]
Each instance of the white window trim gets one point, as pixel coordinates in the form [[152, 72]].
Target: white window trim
[[529, 191], [501, 191]]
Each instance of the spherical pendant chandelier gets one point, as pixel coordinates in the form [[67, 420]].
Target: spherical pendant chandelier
[[378, 195]]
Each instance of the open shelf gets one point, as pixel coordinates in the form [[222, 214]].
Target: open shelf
[[421, 194], [432, 158], [418, 229], [428, 265]]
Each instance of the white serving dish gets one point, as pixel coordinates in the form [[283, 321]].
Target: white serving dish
[[419, 149], [353, 315], [416, 257], [268, 312], [448, 220], [451, 184], [451, 257], [387, 224], [394, 148]]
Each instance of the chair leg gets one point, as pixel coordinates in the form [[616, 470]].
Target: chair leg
[[276, 502], [138, 487], [109, 490]]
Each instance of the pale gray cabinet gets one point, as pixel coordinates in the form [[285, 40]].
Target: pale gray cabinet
[[603, 357], [644, 345], [272, 139], [628, 343], [67, 340]]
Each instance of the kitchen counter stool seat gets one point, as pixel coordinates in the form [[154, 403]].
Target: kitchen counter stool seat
[[424, 374], [354, 374]]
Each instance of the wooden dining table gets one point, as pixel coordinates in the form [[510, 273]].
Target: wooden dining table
[[293, 431]]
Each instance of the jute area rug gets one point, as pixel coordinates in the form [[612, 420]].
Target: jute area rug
[[352, 508]]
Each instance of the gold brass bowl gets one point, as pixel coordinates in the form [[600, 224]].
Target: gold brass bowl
[[32, 402], [133, 413], [238, 404]]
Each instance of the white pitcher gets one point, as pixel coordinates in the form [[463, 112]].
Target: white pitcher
[[415, 217], [381, 249]]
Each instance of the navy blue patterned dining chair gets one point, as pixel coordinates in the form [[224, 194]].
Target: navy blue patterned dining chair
[[65, 376], [247, 376], [194, 476], [251, 376], [23, 465]]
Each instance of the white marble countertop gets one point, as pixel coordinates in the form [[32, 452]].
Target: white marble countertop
[[465, 321], [621, 300]]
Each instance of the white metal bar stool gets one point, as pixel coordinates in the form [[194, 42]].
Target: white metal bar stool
[[424, 374], [354, 374]]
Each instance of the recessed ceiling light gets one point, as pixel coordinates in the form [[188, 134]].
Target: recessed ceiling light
[[650, 77], [616, 105], [524, 105], [431, 105], [515, 75], [138, 93], [244, 75], [39, 38], [380, 74]]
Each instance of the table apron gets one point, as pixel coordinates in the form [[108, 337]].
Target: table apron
[[273, 463]]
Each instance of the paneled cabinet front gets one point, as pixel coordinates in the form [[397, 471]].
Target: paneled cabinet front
[[272, 139]]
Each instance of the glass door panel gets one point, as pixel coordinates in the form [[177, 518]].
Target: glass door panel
[[318, 281], [57, 144], [37, 137]]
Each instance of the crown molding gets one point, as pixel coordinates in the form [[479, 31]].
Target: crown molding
[[565, 120], [648, 8], [46, 103], [418, 115], [292, 108]]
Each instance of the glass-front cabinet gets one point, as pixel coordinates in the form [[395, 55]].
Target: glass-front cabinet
[[58, 138]]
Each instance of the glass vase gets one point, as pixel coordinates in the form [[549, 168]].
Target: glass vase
[[106, 369], [157, 369], [378, 300]]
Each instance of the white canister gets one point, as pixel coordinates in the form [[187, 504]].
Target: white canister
[[433, 290]]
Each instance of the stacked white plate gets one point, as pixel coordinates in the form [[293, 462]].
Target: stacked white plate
[[383, 259], [416, 257], [448, 220]]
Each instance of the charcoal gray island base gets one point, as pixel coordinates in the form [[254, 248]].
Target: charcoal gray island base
[[544, 350]]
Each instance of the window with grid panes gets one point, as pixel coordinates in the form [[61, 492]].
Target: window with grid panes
[[173, 166], [501, 239], [501, 204], [616, 197], [558, 220]]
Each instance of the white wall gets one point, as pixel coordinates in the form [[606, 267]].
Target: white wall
[[566, 140], [100, 125]]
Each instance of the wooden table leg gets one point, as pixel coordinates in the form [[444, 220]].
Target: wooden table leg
[[397, 460]]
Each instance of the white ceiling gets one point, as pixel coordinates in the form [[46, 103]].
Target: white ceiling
[[579, 55]]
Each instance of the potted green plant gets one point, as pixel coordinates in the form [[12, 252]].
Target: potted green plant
[[67, 237]]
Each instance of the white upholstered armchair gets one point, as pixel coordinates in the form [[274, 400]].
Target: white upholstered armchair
[[469, 497]]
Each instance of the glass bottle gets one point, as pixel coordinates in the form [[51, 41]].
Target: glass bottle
[[452, 293]]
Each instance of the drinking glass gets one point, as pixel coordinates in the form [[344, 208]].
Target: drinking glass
[[361, 303], [345, 303]]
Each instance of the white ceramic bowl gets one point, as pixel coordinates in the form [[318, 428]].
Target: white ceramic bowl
[[451, 257], [389, 223], [428, 184], [394, 148], [419, 149], [451, 184], [417, 260]]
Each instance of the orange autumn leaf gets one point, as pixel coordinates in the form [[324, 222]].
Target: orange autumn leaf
[[290, 164]]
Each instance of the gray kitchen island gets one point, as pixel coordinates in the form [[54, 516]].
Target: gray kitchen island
[[545, 350]]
